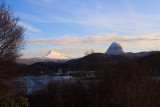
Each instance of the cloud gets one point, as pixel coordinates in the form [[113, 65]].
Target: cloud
[[69, 40], [29, 27], [40, 2], [96, 39], [102, 16], [126, 19]]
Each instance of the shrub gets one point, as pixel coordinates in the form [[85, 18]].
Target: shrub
[[11, 100]]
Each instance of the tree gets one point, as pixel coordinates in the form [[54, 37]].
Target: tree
[[91, 51], [11, 35]]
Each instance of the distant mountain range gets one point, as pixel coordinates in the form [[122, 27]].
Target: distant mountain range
[[97, 62], [53, 56]]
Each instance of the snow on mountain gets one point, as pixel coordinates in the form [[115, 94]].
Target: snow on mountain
[[55, 55], [115, 49], [52, 56]]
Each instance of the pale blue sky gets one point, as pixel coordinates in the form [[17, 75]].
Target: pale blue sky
[[75, 26]]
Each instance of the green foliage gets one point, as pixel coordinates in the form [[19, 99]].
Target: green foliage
[[11, 100]]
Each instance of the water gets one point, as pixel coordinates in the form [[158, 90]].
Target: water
[[32, 83]]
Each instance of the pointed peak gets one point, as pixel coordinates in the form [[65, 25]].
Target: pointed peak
[[115, 49], [53, 52], [115, 43], [50, 51], [56, 55]]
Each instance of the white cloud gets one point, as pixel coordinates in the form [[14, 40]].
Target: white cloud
[[96, 39], [131, 23], [29, 27], [93, 14], [40, 2]]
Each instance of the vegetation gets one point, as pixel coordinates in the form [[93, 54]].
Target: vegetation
[[11, 36], [11, 100], [125, 84], [11, 42], [91, 51]]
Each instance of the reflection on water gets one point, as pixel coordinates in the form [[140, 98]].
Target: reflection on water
[[34, 83]]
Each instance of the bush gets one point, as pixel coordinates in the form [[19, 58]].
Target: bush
[[11, 100]]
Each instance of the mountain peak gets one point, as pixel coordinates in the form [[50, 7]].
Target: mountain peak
[[115, 49], [51, 52], [115, 44], [55, 55]]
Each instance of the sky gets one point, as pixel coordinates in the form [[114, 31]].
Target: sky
[[73, 27]]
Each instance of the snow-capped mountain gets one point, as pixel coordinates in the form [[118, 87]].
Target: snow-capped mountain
[[52, 56], [55, 55], [115, 49]]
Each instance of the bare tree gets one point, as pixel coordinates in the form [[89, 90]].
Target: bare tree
[[91, 51], [11, 35]]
